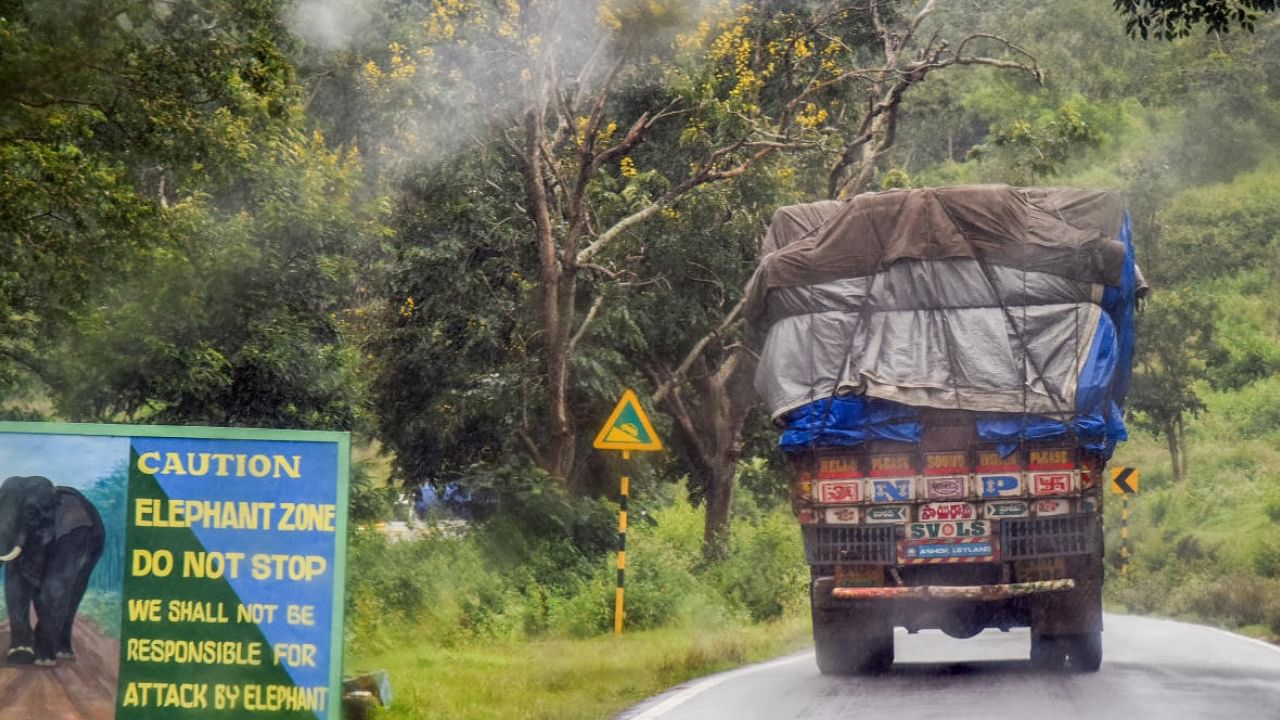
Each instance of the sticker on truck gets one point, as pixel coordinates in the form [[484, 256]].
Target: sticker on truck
[[948, 551], [997, 485], [990, 461], [1051, 506], [1058, 482], [841, 515], [936, 511], [882, 514], [1089, 503], [890, 490], [1006, 509], [832, 492], [1050, 459], [946, 463], [838, 467], [947, 487], [859, 576], [890, 465], [949, 529]]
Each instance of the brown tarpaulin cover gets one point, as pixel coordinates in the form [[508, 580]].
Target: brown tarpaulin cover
[[1062, 231]]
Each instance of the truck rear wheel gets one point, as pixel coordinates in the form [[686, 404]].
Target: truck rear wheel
[[1082, 652], [849, 643], [1048, 652], [1085, 651]]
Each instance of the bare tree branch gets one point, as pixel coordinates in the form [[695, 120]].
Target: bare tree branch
[[695, 352], [586, 321]]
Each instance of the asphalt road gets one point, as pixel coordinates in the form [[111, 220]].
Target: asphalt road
[[1150, 669]]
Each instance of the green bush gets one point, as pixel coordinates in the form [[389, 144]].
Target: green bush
[[1256, 412], [1266, 555], [527, 572], [1271, 505], [765, 574]]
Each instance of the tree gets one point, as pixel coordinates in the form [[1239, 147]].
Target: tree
[[241, 321], [1176, 350], [620, 121], [869, 65], [173, 227], [1169, 19]]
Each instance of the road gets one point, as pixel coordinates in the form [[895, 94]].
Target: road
[[1151, 669], [80, 689]]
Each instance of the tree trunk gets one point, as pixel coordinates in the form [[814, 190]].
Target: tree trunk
[[558, 286], [712, 433], [1182, 445], [1171, 434], [719, 483]]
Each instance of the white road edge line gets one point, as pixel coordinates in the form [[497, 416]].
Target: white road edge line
[[1246, 638], [1220, 631], [701, 686]]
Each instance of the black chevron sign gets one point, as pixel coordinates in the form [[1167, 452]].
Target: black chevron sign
[[1124, 481]]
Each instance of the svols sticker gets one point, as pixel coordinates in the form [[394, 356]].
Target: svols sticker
[[954, 529]]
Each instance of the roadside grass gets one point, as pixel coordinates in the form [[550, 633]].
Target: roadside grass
[[562, 679], [512, 619], [1206, 549]]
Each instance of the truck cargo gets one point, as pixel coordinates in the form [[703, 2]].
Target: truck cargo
[[948, 370]]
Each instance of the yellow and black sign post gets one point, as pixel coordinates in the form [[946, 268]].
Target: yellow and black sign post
[[628, 429], [1124, 481]]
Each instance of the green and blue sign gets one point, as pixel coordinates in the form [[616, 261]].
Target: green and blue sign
[[219, 584]]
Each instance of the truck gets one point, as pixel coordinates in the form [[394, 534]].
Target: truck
[[948, 368]]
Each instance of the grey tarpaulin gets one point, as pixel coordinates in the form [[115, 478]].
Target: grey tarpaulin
[[982, 298]]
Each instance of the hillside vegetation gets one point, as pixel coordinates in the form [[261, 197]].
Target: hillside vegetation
[[459, 229]]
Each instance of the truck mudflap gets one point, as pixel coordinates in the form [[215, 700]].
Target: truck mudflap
[[953, 592]]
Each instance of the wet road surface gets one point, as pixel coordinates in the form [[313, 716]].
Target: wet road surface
[[1150, 669]]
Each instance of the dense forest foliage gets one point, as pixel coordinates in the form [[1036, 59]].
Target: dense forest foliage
[[458, 228]]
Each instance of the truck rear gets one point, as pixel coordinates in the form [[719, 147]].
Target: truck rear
[[948, 368]]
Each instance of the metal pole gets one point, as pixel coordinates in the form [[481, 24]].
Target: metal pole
[[1124, 535], [619, 611]]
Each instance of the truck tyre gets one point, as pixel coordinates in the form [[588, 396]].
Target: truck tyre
[[1085, 650], [851, 644], [1048, 652]]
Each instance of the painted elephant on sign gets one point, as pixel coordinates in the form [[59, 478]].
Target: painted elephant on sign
[[50, 539]]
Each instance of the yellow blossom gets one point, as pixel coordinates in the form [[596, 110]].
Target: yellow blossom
[[811, 116]]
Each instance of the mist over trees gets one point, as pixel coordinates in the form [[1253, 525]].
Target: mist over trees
[[461, 227]]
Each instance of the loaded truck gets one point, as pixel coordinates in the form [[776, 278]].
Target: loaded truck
[[948, 370]]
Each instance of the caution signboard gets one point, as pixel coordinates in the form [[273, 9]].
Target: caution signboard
[[628, 428], [1124, 481], [210, 563]]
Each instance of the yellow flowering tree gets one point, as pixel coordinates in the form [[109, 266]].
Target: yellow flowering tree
[[619, 117]]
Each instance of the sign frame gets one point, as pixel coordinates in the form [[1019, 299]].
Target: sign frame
[[629, 400], [342, 441]]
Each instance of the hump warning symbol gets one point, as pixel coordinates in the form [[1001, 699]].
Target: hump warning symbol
[[628, 428]]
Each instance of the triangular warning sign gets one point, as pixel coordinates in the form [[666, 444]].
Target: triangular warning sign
[[628, 428]]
